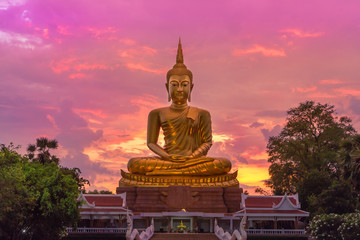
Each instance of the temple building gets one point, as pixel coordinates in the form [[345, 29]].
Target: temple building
[[266, 216]]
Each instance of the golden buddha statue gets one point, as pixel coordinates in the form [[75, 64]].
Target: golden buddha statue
[[187, 133]]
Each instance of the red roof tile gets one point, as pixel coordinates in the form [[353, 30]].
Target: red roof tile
[[275, 211], [104, 201], [102, 210], [265, 202]]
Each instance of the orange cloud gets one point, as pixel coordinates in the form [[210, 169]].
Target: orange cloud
[[252, 175], [268, 52], [302, 34]]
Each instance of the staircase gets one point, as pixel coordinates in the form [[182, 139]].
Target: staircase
[[184, 236]]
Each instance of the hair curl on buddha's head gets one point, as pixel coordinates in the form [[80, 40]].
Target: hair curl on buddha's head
[[179, 68]]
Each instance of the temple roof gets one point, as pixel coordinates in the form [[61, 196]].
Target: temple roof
[[103, 200], [249, 201], [270, 206]]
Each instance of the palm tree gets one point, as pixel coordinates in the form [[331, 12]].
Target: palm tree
[[42, 147]]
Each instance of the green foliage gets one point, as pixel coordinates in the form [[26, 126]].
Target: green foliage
[[350, 227], [325, 226], [338, 198], [351, 162], [308, 155], [37, 198], [335, 226], [75, 174], [99, 192]]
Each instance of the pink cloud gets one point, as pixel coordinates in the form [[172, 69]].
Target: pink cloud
[[302, 34], [304, 90], [25, 41], [63, 30], [62, 65], [95, 112], [87, 66], [141, 67], [77, 75], [331, 81], [124, 51], [101, 32], [137, 51], [73, 63], [268, 52], [347, 91]]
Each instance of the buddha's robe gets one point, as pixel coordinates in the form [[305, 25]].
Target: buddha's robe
[[187, 134]]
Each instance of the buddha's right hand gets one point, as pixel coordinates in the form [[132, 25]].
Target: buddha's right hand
[[178, 158]]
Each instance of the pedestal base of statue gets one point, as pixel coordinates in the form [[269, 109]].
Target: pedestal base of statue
[[224, 180], [216, 194]]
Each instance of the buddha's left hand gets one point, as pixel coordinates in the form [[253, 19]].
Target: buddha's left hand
[[180, 158]]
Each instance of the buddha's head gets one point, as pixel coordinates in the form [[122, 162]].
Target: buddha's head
[[179, 80]]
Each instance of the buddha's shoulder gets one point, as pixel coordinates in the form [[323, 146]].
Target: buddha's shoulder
[[159, 110], [200, 111]]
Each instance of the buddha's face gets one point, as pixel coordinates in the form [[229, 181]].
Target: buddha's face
[[179, 88]]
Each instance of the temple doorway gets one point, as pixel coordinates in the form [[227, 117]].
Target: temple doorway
[[181, 224], [204, 225], [161, 225]]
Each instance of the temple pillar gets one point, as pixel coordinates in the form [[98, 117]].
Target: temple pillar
[[169, 224], [296, 222], [194, 224], [231, 224], [275, 223], [91, 221]]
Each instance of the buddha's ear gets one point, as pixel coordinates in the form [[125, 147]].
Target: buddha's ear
[[191, 87], [167, 89]]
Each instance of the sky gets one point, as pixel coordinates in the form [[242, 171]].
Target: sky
[[87, 73]]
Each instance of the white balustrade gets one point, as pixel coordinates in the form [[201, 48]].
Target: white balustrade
[[96, 230], [237, 235], [276, 231]]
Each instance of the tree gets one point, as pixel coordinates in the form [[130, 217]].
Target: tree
[[335, 226], [262, 191], [37, 198], [43, 156], [42, 147], [99, 192], [351, 163], [306, 157]]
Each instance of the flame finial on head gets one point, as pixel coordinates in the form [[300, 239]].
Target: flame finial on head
[[179, 55], [179, 68]]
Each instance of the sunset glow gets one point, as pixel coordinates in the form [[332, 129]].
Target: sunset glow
[[87, 73]]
